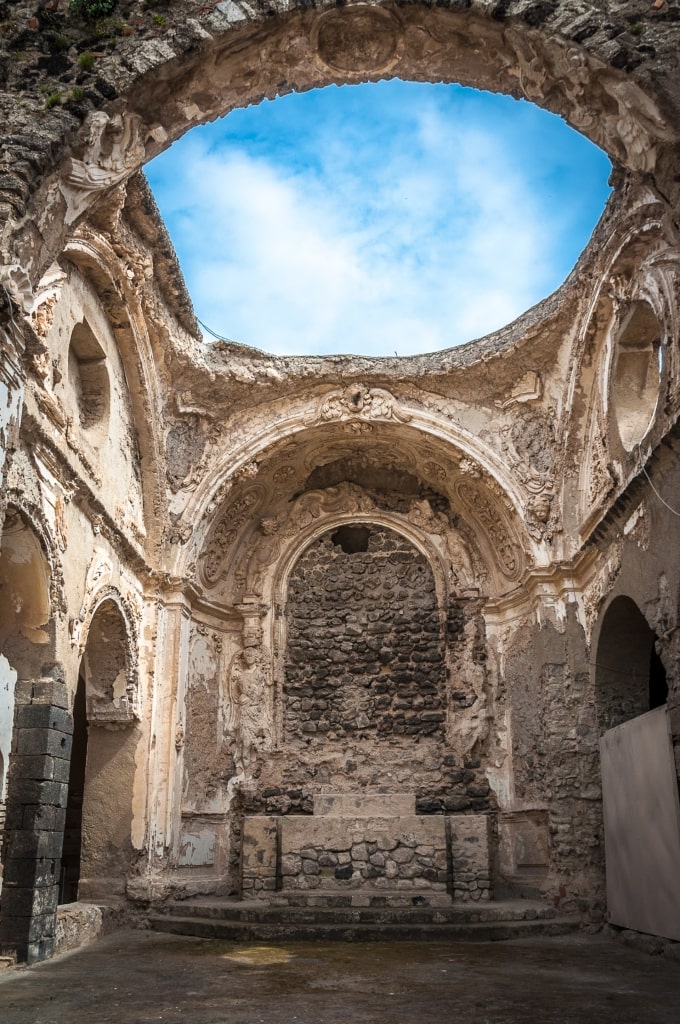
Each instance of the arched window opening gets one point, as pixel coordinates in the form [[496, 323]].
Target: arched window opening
[[630, 678], [88, 376]]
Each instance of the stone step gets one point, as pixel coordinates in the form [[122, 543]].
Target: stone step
[[364, 896], [257, 911], [329, 929]]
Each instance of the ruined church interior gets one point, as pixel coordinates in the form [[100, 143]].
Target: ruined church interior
[[373, 637]]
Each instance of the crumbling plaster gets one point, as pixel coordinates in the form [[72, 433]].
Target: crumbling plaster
[[500, 461]]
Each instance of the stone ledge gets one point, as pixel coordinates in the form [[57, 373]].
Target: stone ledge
[[366, 804]]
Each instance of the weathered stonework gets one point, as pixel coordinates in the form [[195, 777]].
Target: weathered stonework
[[168, 506], [365, 654]]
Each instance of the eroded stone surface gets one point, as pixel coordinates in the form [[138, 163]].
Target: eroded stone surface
[[169, 506]]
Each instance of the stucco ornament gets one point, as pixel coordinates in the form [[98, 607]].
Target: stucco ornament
[[263, 555], [345, 498], [633, 127], [113, 149], [360, 40], [17, 285], [508, 554], [528, 388], [598, 476], [249, 718], [236, 515], [436, 524], [362, 403]]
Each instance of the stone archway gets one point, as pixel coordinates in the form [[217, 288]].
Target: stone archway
[[97, 842], [34, 697]]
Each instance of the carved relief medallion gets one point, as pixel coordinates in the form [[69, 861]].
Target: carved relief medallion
[[358, 402], [359, 39]]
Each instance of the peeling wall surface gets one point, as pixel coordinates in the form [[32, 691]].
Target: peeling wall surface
[[315, 597]]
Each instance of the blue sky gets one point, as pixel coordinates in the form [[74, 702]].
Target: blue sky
[[374, 219]]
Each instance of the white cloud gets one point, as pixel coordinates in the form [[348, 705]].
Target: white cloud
[[406, 243]]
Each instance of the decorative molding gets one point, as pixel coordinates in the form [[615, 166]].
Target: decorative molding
[[358, 402], [508, 555], [112, 150]]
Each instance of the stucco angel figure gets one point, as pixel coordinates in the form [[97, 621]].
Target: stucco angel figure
[[249, 712], [425, 518], [265, 553]]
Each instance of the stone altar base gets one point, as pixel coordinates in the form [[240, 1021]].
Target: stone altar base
[[363, 867], [369, 847]]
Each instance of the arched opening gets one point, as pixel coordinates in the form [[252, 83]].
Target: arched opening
[[24, 618], [630, 677], [98, 845], [34, 742], [641, 810], [24, 588]]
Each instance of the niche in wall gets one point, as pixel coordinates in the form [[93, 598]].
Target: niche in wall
[[636, 375], [89, 378]]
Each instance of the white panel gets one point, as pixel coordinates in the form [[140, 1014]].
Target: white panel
[[642, 825]]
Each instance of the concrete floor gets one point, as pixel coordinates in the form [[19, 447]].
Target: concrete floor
[[136, 977]]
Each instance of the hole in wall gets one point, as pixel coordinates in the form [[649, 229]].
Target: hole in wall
[[352, 539]]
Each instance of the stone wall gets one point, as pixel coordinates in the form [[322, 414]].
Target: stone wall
[[365, 654], [364, 683], [408, 853]]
